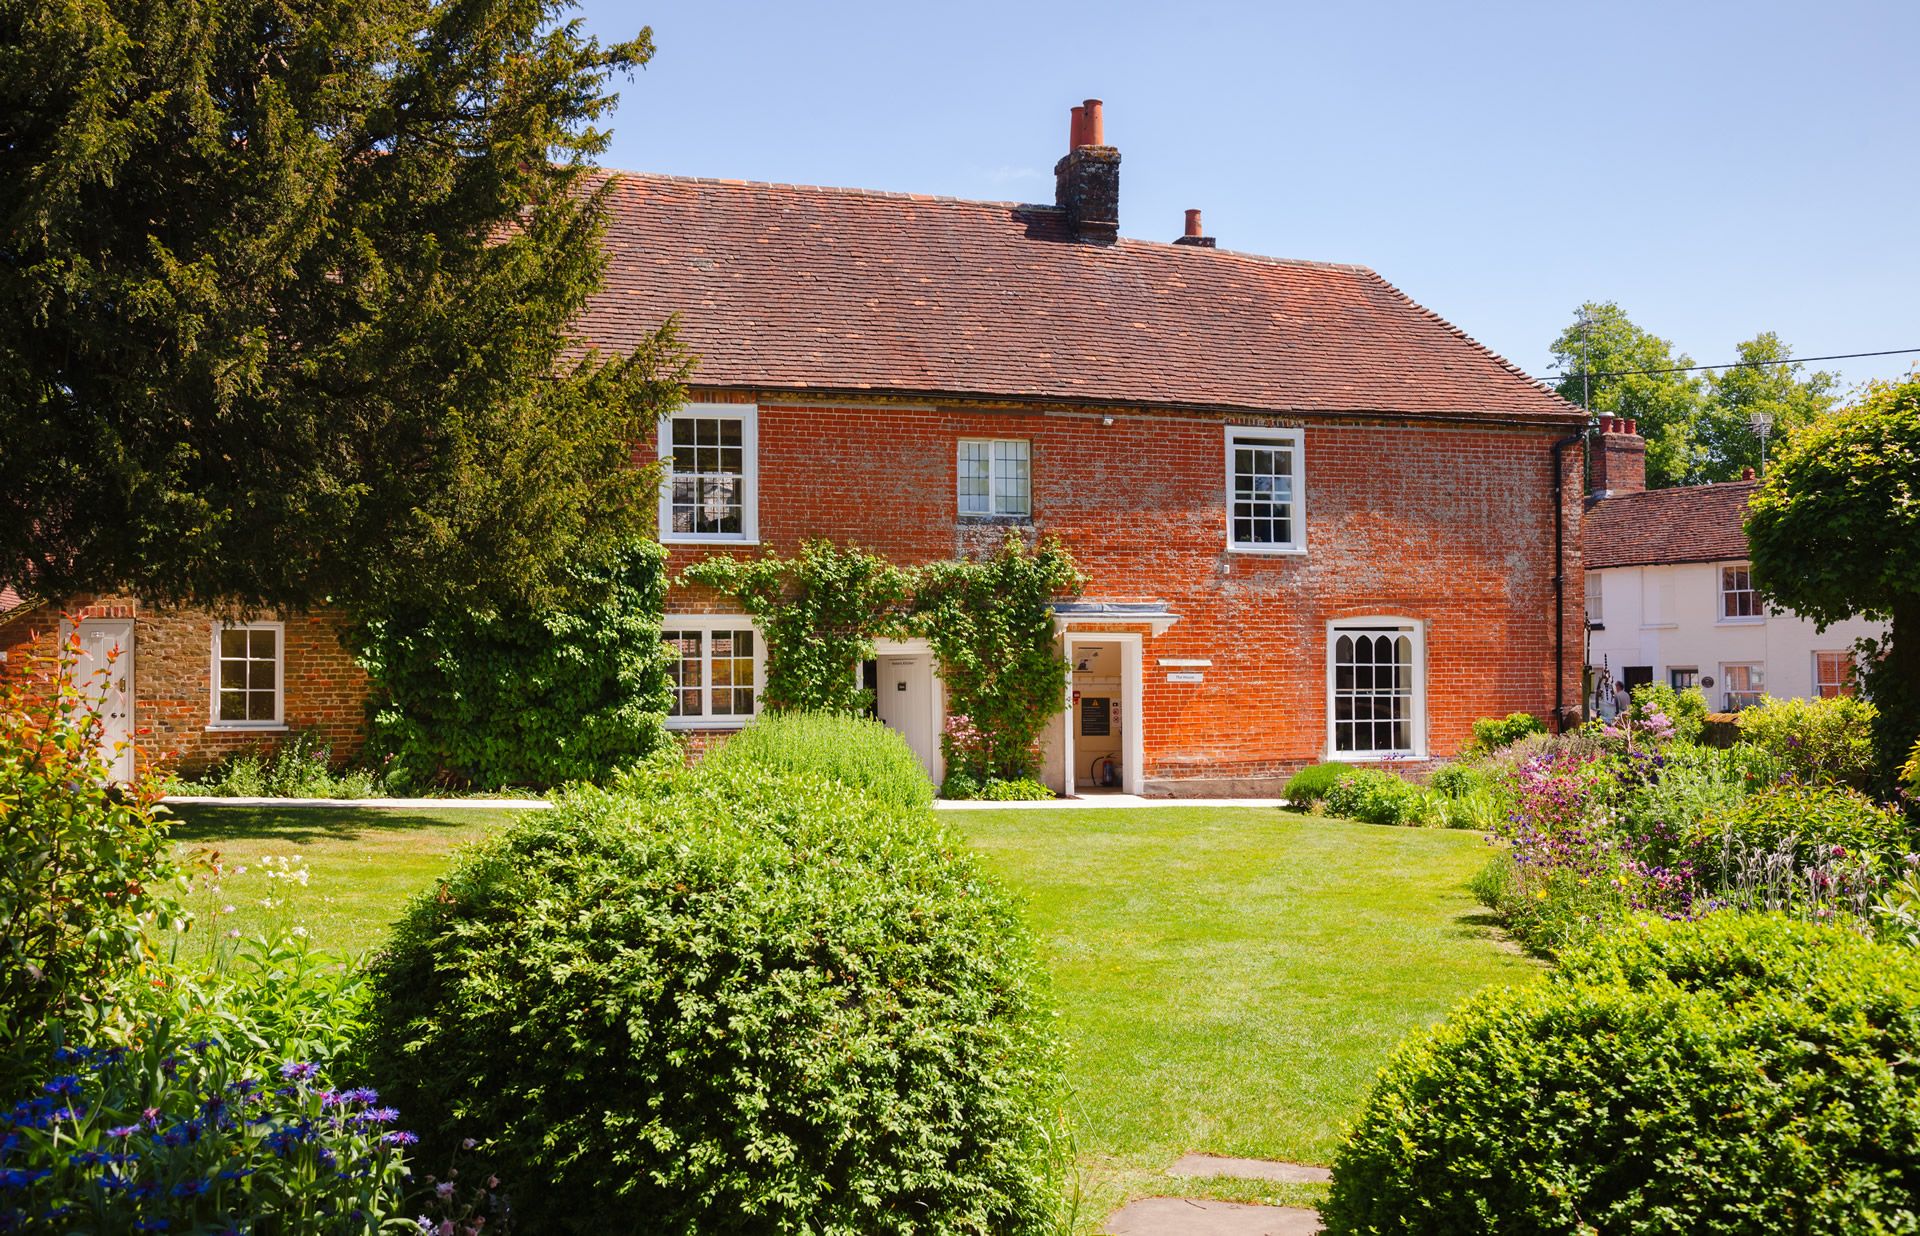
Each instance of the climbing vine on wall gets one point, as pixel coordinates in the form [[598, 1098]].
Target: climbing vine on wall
[[819, 613], [991, 624]]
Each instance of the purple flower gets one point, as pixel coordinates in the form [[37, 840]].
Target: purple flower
[[400, 1137], [299, 1070]]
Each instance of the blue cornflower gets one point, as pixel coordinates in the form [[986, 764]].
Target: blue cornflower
[[123, 1130], [235, 1173], [400, 1137], [364, 1095], [66, 1083], [21, 1177], [192, 1187], [150, 1225], [299, 1070], [377, 1115]]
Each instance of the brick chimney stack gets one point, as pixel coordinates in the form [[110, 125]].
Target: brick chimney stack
[[1617, 463], [1087, 181], [1193, 236]]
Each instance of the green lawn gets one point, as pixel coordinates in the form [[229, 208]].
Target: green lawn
[[364, 864], [1229, 979]]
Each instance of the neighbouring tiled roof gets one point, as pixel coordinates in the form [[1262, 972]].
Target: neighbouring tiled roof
[[9, 599], [1693, 523], [841, 290]]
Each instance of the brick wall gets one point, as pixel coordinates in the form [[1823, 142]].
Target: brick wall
[[324, 692], [1449, 524]]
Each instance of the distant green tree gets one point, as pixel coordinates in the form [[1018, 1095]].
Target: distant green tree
[[1789, 394], [1601, 342], [1834, 532], [285, 301]]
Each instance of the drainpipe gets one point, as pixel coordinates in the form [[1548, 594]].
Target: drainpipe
[[1560, 581]]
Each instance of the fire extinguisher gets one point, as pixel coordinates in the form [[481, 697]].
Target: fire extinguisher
[[1109, 775]]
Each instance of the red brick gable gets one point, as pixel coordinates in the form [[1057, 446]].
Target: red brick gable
[[840, 290], [1693, 523]]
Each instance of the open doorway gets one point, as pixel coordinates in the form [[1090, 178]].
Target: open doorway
[[1103, 742]]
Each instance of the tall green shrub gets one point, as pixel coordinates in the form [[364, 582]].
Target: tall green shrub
[[1685, 710], [85, 866], [854, 751], [819, 612], [518, 696], [744, 1002], [1740, 1076], [991, 624]]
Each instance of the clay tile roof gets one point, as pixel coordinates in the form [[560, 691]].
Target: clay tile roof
[[9, 599], [1694, 523], [844, 290]]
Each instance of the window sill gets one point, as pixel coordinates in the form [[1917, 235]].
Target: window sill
[[708, 723], [246, 727], [1269, 551], [1757, 620], [994, 521], [709, 540], [1374, 757]]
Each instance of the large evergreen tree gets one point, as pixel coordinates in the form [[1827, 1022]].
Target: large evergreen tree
[[285, 293]]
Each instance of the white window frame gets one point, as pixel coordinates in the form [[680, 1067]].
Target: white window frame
[[1846, 680], [1295, 440], [1673, 670], [1760, 614], [1381, 624], [707, 624], [1759, 669], [994, 476], [749, 417], [278, 722]]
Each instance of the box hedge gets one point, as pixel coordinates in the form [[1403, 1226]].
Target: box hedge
[[1744, 1074], [740, 1001]]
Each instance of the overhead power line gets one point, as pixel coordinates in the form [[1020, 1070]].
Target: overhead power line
[[1790, 360]]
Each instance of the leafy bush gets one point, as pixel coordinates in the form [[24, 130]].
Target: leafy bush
[[856, 751], [1014, 790], [300, 768], [1493, 733], [759, 1002], [1684, 785], [1687, 709], [1457, 779], [84, 864], [1485, 809], [1376, 797], [1745, 1074], [524, 697], [1826, 740], [1310, 784], [1816, 822]]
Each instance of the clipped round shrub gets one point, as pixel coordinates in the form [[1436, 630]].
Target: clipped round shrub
[[857, 751], [1823, 821], [1744, 1074], [1310, 784], [748, 1002]]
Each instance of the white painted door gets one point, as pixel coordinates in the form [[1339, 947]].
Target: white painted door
[[104, 675], [904, 699]]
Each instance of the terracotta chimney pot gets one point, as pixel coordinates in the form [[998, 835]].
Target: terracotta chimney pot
[[1193, 223], [1077, 130], [1095, 128]]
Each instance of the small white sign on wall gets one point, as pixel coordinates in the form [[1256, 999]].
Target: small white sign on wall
[[1187, 677]]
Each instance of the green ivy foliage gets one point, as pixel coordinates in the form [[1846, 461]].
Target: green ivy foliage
[[731, 999], [819, 613], [1739, 1076], [991, 624], [524, 696]]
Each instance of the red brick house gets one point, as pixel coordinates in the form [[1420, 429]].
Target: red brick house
[[1317, 520]]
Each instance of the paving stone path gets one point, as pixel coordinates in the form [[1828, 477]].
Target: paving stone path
[[1188, 1216]]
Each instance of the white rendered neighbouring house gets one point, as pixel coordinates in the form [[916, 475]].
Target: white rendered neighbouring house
[[1670, 595]]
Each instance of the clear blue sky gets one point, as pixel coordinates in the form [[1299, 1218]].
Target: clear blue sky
[[1717, 168]]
